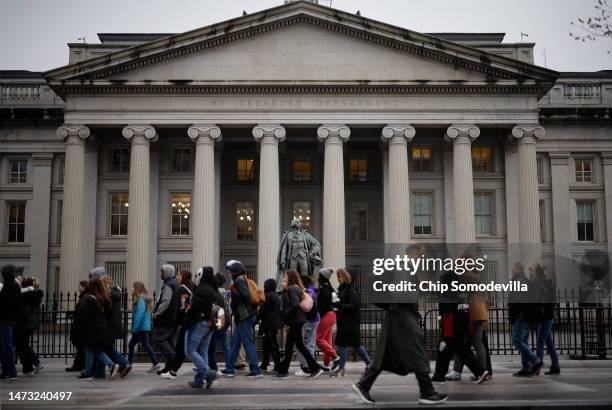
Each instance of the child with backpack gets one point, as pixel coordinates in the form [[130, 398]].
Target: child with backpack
[[141, 323]]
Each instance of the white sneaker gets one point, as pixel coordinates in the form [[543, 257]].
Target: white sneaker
[[301, 373], [168, 375], [453, 376], [155, 368]]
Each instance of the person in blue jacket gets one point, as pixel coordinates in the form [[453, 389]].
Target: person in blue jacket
[[141, 323]]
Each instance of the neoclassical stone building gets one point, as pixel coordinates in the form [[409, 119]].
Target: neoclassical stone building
[[199, 147]]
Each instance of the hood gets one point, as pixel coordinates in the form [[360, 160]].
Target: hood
[[270, 285], [8, 273]]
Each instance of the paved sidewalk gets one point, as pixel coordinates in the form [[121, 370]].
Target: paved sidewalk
[[582, 385]]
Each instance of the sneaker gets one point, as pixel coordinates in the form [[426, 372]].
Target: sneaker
[[282, 376], [227, 373], [335, 364], [84, 376], [114, 371], [521, 373], [125, 370], [8, 378], [300, 373], [362, 393], [210, 380], [482, 378], [195, 385], [453, 376], [435, 398], [553, 371], [338, 373], [156, 368], [535, 370], [315, 374], [28, 374], [252, 375], [38, 368], [168, 375]]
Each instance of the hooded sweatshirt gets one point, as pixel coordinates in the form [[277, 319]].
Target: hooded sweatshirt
[[10, 297], [166, 306]]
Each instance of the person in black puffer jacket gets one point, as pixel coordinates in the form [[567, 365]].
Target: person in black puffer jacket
[[269, 319], [31, 298], [325, 298], [10, 312], [295, 318]]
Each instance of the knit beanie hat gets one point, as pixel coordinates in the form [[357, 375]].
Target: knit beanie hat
[[97, 272], [326, 273]]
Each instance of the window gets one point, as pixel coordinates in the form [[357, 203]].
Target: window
[[118, 272], [542, 221], [540, 169], [302, 211], [18, 171], [245, 221], [581, 91], [181, 160], [119, 213], [483, 213], [421, 159], [358, 221], [585, 220], [16, 221], [301, 170], [422, 211], [584, 170], [481, 159], [180, 265], [60, 209], [120, 159], [358, 170], [244, 169], [180, 208]]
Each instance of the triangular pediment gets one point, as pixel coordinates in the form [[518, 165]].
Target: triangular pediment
[[299, 42]]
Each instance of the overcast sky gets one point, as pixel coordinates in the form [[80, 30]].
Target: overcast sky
[[34, 33]]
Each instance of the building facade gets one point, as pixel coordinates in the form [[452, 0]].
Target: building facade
[[199, 147]]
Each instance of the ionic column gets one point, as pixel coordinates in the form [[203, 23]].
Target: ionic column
[[204, 195], [268, 224], [399, 191], [41, 201], [607, 172], [463, 182], [138, 239], [333, 194], [529, 212], [71, 253]]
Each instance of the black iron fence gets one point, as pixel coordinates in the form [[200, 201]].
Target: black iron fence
[[581, 329]]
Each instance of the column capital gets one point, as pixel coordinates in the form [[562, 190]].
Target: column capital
[[205, 130], [459, 132], [325, 131], [404, 132], [527, 130], [146, 131], [80, 131], [276, 131]]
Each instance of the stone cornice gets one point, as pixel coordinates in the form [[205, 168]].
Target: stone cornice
[[211, 131], [276, 131]]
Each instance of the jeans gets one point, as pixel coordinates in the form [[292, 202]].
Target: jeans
[[197, 340], [460, 346], [343, 353], [324, 337], [270, 348], [115, 356], [143, 339], [296, 339], [99, 355], [476, 341], [370, 375], [309, 333], [243, 335], [545, 336], [165, 337], [520, 339], [219, 336], [7, 357]]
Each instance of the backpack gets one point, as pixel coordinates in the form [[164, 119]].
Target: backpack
[[257, 297], [214, 317], [306, 304], [312, 314]]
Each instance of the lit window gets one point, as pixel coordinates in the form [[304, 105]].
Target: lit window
[[181, 160], [16, 221], [244, 169], [120, 158], [302, 211], [245, 221], [119, 213], [18, 171], [585, 220], [483, 213], [421, 159], [358, 170], [481, 159], [584, 170], [422, 211], [301, 170], [180, 210], [358, 221]]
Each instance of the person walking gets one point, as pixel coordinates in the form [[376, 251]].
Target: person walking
[[325, 298], [293, 316], [10, 311], [545, 334], [141, 323], [78, 364], [164, 316], [269, 318], [219, 336], [309, 330], [200, 321], [183, 295], [31, 298], [348, 321]]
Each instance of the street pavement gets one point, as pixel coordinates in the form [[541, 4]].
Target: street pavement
[[581, 385]]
